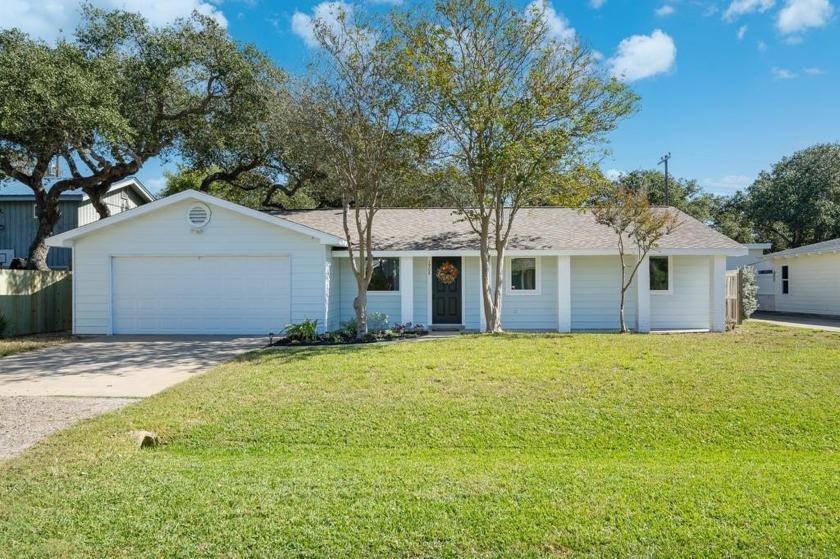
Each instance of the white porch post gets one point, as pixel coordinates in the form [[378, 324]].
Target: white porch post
[[406, 289], [643, 296], [717, 294], [564, 293]]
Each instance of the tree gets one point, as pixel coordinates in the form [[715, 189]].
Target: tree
[[798, 202], [514, 109], [119, 94], [684, 194], [368, 148], [627, 211]]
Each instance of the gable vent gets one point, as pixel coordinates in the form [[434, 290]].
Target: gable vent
[[198, 216]]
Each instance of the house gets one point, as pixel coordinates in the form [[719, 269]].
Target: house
[[754, 256], [194, 264], [18, 222], [803, 280], [763, 270]]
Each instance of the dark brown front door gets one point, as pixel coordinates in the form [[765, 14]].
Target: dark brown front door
[[446, 297]]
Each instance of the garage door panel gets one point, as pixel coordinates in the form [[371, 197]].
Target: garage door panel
[[200, 295]]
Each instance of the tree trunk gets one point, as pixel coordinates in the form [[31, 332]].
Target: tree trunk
[[621, 312], [360, 306], [46, 208], [100, 206], [498, 286], [492, 319]]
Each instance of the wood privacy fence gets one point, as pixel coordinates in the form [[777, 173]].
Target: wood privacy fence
[[33, 302], [734, 298]]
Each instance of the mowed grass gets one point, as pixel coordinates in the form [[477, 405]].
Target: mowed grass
[[478, 446], [19, 344]]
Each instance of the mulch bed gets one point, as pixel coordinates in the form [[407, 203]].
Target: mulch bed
[[341, 338]]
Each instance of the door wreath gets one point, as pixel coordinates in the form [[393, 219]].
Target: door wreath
[[447, 273]]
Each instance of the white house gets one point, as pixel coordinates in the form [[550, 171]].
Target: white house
[[804, 280], [194, 264]]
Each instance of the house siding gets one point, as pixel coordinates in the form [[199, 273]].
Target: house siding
[[596, 294], [334, 317], [166, 233], [687, 306], [385, 302], [814, 284], [421, 290], [88, 214], [19, 227], [531, 311], [472, 293]]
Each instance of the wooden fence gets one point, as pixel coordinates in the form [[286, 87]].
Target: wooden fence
[[33, 302], [734, 298]]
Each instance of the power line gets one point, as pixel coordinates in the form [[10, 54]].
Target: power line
[[664, 160]]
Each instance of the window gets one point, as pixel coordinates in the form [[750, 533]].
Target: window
[[660, 274], [524, 275], [386, 275], [785, 280]]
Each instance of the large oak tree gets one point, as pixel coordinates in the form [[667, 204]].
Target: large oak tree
[[118, 94]]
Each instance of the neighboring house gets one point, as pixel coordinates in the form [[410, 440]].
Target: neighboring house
[[18, 222], [755, 255], [194, 264], [763, 270], [804, 280]]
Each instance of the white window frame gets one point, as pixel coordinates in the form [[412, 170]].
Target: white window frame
[[670, 289], [509, 277]]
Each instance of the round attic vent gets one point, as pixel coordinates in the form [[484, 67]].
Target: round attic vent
[[198, 216]]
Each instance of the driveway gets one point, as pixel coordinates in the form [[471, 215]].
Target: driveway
[[116, 366], [49, 389], [798, 321]]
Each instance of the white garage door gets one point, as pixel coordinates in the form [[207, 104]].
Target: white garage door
[[200, 295]]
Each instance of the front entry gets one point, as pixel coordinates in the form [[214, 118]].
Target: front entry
[[446, 290]]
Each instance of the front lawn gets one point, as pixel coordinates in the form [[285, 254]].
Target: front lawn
[[507, 446]]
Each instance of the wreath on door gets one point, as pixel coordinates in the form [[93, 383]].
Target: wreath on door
[[447, 273]]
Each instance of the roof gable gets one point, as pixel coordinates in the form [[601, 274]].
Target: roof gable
[[66, 239], [817, 248], [13, 190]]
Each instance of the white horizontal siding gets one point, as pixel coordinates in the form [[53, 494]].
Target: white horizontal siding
[[88, 214], [334, 321], [814, 284], [596, 294], [527, 311], [385, 302], [687, 306], [472, 292], [166, 233]]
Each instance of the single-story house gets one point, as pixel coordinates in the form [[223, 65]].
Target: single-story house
[[18, 222], [804, 280], [754, 256], [194, 264]]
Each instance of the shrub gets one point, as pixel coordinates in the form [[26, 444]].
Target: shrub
[[377, 322], [350, 327], [307, 330], [749, 290]]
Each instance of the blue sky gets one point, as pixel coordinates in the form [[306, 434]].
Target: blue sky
[[728, 87]]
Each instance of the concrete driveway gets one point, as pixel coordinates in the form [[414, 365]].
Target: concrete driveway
[[798, 321], [116, 366]]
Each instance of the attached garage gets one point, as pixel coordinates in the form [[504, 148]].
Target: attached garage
[[193, 264], [200, 294]]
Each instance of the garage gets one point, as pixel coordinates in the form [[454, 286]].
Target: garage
[[200, 295]]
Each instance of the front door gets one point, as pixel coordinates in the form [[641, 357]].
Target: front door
[[446, 290]]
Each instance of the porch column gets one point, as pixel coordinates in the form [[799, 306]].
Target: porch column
[[564, 293], [717, 293], [406, 289], [643, 296]]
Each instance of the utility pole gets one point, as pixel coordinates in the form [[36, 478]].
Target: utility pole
[[664, 160]]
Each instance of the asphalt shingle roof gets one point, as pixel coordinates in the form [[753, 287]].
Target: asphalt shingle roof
[[816, 248], [403, 229]]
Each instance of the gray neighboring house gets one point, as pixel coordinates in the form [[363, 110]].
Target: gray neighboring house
[[804, 280], [18, 223]]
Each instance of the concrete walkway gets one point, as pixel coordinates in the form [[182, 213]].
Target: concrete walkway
[[797, 321], [116, 366]]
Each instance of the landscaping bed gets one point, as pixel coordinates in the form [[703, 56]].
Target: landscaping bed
[[305, 333]]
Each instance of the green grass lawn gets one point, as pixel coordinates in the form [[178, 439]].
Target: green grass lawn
[[19, 344], [505, 446]]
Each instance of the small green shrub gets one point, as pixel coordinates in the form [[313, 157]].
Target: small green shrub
[[306, 331], [350, 327], [749, 290], [377, 322]]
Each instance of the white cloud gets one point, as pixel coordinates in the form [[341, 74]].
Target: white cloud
[[726, 184], [559, 27], [643, 56], [597, 3], [665, 10], [742, 31], [761, 46], [813, 71], [156, 184], [741, 7], [303, 25], [613, 174], [799, 15], [782, 73], [50, 19]]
